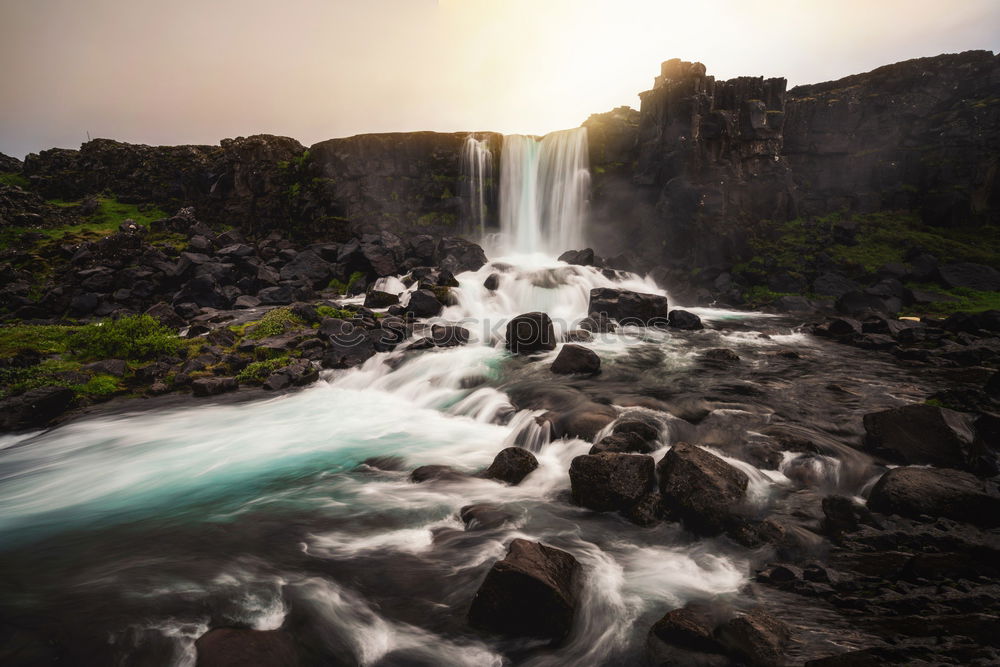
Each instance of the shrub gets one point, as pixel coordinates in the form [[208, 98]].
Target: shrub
[[330, 311], [131, 337], [259, 371], [274, 323]]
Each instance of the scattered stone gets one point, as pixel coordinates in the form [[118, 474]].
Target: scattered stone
[[920, 434], [492, 282], [213, 386], [757, 637], [682, 319], [720, 355], [576, 359], [433, 473], [936, 492], [484, 516], [377, 299], [622, 443], [629, 307], [532, 592], [702, 489], [686, 637], [423, 303], [511, 465], [529, 333], [611, 482]]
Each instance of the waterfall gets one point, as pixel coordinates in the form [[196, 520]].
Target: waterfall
[[544, 185], [477, 180]]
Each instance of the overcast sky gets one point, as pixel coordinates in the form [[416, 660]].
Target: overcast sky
[[196, 71]]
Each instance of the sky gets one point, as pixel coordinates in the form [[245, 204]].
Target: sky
[[197, 71]]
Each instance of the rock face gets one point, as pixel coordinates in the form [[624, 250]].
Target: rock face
[[705, 491], [511, 465], [756, 637], [576, 359], [611, 481], [231, 647], [532, 592], [953, 494], [530, 332], [920, 434], [630, 307]]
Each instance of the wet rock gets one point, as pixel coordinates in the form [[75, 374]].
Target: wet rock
[[921, 434], [648, 432], [936, 492], [634, 308], [610, 482], [647, 511], [492, 282], [308, 267], [756, 637], [598, 323], [423, 303], [532, 592], [377, 299], [682, 319], [843, 515], [484, 516], [685, 637], [246, 301], [458, 255], [232, 647], [720, 355], [584, 421], [449, 335], [779, 574], [702, 489], [573, 359], [511, 465], [35, 407], [578, 336], [583, 257], [437, 473], [388, 463], [213, 386], [622, 443], [529, 333]]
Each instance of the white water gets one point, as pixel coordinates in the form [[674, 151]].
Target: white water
[[544, 187], [477, 180], [300, 452]]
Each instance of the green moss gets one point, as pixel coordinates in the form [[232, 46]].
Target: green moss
[[330, 311], [341, 287], [44, 339], [259, 371], [13, 178], [965, 301], [274, 323], [99, 385]]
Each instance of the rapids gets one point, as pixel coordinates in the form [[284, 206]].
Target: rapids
[[127, 535]]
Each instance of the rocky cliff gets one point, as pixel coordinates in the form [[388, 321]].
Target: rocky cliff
[[688, 181]]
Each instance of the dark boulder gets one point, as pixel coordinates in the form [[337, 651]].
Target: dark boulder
[[682, 319], [458, 255], [970, 276], [449, 335], [233, 647], [921, 434], [34, 408], [598, 323], [861, 303], [165, 314], [610, 482], [757, 637], [532, 592], [424, 303], [576, 359], [629, 307], [213, 386], [648, 432], [278, 295], [720, 355], [484, 516], [583, 257], [685, 637], [511, 465], [435, 473], [702, 489], [622, 443], [936, 492], [492, 282], [529, 333], [377, 299]]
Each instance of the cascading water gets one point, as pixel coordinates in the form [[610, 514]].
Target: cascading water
[[242, 514], [477, 182], [544, 186]]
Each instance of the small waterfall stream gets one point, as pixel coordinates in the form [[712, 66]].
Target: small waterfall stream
[[477, 183]]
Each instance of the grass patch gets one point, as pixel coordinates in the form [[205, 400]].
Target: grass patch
[[134, 337], [105, 220], [44, 339], [13, 178], [259, 371], [967, 301], [330, 311]]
